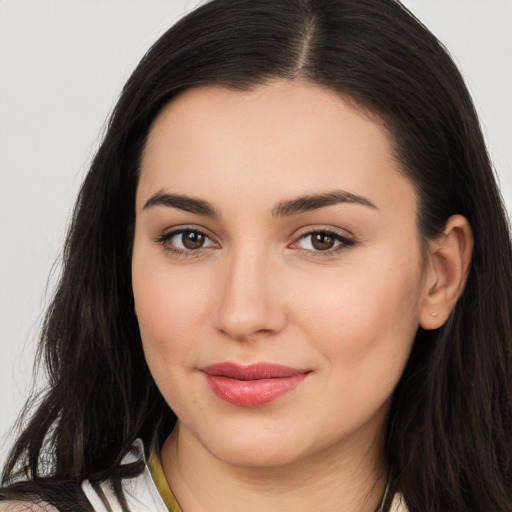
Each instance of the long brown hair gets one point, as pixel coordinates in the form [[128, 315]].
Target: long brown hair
[[449, 441]]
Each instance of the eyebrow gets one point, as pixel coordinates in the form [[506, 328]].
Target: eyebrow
[[316, 201], [284, 209], [182, 202]]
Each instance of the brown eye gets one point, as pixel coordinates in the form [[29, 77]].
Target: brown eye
[[322, 241], [186, 242], [192, 240]]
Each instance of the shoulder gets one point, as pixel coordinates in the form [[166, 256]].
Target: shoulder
[[25, 506]]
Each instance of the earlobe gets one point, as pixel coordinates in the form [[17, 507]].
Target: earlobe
[[447, 272]]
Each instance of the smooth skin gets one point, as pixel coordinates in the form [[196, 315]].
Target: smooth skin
[[229, 266]]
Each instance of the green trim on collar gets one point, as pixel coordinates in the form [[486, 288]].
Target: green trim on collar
[[161, 484]]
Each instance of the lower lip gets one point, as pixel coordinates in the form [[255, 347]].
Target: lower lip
[[252, 393]]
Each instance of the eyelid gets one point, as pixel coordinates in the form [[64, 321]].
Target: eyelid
[[345, 238], [324, 228], [166, 235]]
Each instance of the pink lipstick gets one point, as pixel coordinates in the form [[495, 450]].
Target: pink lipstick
[[253, 385]]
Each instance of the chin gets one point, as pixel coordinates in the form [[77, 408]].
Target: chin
[[255, 449], [262, 457]]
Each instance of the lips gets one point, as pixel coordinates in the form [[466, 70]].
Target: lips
[[253, 385]]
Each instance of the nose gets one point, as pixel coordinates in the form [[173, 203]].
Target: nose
[[249, 302]]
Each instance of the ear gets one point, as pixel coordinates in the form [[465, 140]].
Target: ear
[[447, 270]]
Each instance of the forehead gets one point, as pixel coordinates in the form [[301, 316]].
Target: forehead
[[286, 106], [280, 139]]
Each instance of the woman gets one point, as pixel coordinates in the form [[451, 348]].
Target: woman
[[289, 274]]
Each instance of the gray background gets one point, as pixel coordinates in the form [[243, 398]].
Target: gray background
[[62, 65]]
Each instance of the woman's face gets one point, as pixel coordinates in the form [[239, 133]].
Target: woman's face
[[277, 271]]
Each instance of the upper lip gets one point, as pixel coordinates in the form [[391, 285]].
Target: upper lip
[[252, 371]]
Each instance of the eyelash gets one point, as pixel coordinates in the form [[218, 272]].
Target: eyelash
[[344, 242], [164, 239]]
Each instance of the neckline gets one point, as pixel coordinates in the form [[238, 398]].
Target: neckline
[[162, 486]]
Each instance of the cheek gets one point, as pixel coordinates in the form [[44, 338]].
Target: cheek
[[362, 323], [361, 311], [170, 308]]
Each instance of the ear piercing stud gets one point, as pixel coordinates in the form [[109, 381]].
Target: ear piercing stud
[[433, 313]]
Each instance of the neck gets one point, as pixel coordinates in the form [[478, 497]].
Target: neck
[[348, 477]]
